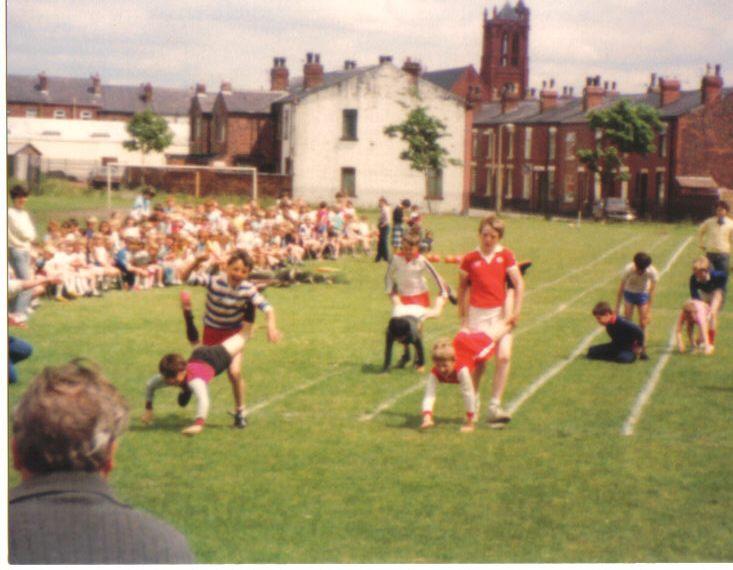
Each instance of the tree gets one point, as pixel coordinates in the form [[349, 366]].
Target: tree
[[422, 132], [624, 128], [149, 132]]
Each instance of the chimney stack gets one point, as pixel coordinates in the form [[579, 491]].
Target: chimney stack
[[279, 75], [147, 93], [653, 84], [200, 89], [509, 100], [670, 91], [43, 82], [412, 68], [548, 96], [712, 86], [312, 71], [593, 93], [226, 87], [96, 87]]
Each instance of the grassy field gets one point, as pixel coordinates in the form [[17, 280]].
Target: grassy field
[[333, 468]]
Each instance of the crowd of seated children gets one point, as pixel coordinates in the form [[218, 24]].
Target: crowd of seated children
[[150, 246]]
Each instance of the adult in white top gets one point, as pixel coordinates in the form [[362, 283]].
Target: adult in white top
[[716, 237], [21, 235]]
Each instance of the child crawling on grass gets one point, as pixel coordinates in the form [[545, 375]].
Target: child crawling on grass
[[192, 376], [695, 313], [454, 363]]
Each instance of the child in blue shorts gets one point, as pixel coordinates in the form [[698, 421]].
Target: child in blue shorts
[[638, 282]]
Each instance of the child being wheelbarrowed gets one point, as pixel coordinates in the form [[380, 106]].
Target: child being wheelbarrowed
[[454, 363], [695, 312], [230, 302], [193, 377]]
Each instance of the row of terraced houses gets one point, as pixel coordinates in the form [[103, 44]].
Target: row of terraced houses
[[322, 132]]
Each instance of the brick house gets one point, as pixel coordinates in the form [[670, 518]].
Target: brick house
[[461, 81], [524, 147], [236, 129]]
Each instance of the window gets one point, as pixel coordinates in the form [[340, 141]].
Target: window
[[31, 112], [196, 128], [59, 114], [222, 128], [527, 143], [509, 183], [85, 115], [435, 185], [474, 142], [348, 181], [473, 180], [286, 124], [663, 144], [504, 49], [489, 145], [569, 193], [526, 185], [551, 143], [515, 50], [510, 144], [100, 135], [660, 187], [570, 145], [350, 120]]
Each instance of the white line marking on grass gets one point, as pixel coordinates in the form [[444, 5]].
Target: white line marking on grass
[[391, 402], [562, 364], [651, 384], [552, 372], [649, 387], [263, 404], [587, 265]]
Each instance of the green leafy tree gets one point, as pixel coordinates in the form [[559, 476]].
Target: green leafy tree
[[149, 132], [624, 128], [422, 133]]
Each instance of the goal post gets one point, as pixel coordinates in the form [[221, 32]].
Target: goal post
[[112, 168]]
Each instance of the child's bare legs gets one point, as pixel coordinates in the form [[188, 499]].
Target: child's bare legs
[[715, 303], [238, 388]]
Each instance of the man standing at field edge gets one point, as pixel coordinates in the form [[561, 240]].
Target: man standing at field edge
[[716, 236]]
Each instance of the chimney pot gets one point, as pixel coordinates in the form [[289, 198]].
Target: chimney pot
[[552, 83], [43, 81], [312, 71], [717, 70]]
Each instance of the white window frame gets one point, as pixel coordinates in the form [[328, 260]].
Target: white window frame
[[59, 113]]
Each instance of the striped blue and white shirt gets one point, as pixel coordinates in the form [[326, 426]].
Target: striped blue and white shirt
[[225, 305]]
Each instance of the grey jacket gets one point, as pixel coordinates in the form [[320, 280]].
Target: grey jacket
[[73, 518]]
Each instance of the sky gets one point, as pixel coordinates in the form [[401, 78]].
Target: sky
[[178, 43]]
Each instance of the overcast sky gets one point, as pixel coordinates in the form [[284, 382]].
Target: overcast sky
[[177, 43]]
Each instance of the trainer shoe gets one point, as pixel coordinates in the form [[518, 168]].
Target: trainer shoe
[[497, 417], [184, 397], [240, 420], [427, 422], [468, 428], [643, 355], [192, 430]]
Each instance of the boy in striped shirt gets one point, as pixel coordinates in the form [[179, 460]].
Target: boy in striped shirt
[[230, 304]]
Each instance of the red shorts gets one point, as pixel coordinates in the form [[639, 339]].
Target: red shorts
[[421, 299], [214, 336], [472, 348]]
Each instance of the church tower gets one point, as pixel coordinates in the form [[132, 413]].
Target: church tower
[[505, 57]]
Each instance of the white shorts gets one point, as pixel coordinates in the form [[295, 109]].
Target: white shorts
[[483, 321]]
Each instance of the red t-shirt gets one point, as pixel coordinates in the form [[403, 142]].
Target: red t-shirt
[[487, 280], [470, 348]]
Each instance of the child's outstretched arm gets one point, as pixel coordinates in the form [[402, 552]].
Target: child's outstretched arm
[[273, 333], [186, 270], [155, 383]]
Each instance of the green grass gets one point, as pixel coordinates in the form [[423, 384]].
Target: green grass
[[308, 482]]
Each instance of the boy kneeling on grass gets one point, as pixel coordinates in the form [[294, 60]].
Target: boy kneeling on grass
[[627, 339], [454, 363], [193, 377]]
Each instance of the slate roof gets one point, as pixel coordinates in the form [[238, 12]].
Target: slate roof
[[113, 98], [445, 78], [251, 102], [330, 78], [570, 111]]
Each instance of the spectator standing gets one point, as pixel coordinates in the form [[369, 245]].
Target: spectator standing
[[716, 237], [21, 235], [398, 219], [142, 207], [383, 225], [65, 436]]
